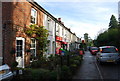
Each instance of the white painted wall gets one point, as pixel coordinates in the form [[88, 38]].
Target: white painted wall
[[50, 26], [59, 30], [66, 35]]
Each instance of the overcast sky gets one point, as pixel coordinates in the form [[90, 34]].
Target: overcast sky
[[82, 16]]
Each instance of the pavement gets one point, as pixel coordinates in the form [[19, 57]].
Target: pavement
[[87, 69], [90, 70]]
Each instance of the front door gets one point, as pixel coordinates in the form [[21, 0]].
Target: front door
[[20, 43]]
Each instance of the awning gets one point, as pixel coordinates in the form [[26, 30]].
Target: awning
[[64, 42]]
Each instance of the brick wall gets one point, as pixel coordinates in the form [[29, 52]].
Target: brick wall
[[16, 17], [7, 31]]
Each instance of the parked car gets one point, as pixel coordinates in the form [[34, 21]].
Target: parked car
[[5, 73], [108, 54], [93, 50]]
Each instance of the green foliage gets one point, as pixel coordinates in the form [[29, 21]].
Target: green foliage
[[41, 35], [65, 72], [53, 75], [37, 75], [49, 69], [41, 63], [77, 62], [14, 64], [73, 68], [109, 37], [113, 22]]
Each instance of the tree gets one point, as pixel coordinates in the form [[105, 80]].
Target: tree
[[113, 22], [40, 34], [110, 36]]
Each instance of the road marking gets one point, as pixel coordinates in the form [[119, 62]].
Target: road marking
[[99, 71]]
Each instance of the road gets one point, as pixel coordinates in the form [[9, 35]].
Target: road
[[90, 70]]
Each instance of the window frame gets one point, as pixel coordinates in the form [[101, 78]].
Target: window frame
[[31, 48], [19, 48], [34, 15]]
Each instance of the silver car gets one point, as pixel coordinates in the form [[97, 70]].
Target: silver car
[[5, 73], [108, 54]]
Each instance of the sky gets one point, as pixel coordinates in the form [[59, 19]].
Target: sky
[[83, 16]]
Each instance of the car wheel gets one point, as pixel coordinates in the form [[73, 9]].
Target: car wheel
[[117, 61]]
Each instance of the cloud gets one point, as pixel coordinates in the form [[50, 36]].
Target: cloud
[[85, 16], [80, 28], [80, 10]]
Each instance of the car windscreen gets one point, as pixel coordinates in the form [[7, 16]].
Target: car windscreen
[[108, 50]]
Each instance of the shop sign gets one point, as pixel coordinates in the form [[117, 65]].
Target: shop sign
[[58, 38]]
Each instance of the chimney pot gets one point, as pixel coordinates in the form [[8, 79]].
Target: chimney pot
[[59, 19]]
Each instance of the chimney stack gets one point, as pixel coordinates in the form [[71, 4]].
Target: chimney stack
[[59, 19]]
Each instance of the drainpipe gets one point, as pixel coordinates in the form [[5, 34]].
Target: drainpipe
[[1, 36], [55, 37]]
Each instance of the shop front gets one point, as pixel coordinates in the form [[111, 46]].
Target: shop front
[[64, 45], [60, 45]]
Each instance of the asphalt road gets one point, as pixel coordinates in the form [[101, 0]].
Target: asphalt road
[[90, 70]]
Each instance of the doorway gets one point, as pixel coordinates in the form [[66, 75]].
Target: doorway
[[20, 44]]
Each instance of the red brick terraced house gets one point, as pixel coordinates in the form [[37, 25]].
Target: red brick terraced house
[[15, 44], [16, 17]]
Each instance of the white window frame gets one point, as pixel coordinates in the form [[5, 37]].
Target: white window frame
[[34, 15], [23, 51], [34, 47], [23, 39]]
